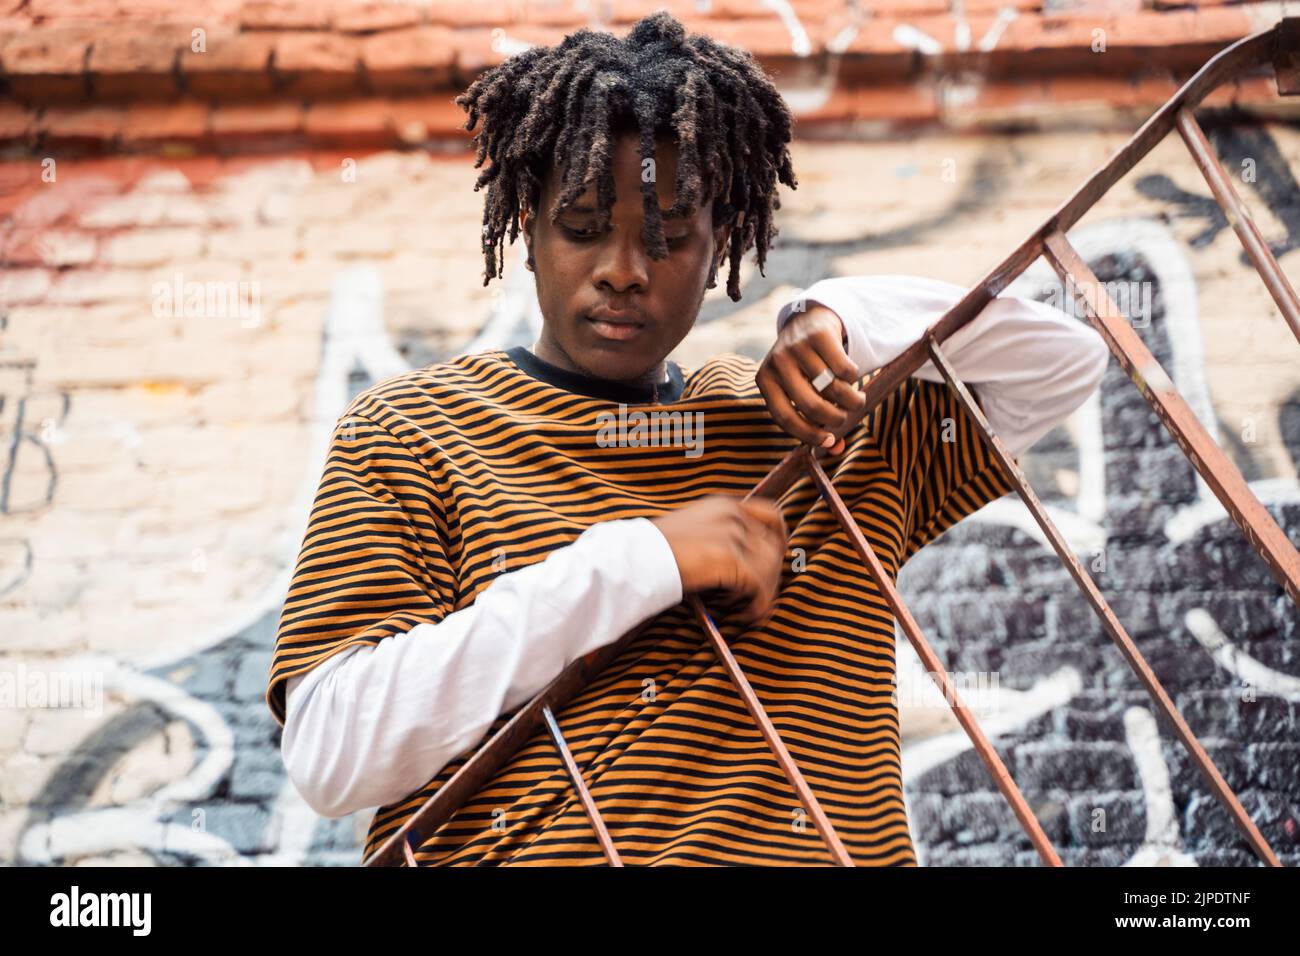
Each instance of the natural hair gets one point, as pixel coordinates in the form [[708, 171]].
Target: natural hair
[[569, 102]]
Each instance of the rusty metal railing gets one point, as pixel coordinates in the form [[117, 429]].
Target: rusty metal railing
[[1278, 47]]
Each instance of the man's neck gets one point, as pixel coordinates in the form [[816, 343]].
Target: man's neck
[[556, 356]]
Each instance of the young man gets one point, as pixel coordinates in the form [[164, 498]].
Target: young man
[[484, 521]]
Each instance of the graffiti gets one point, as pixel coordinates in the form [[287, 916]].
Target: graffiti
[[1174, 582], [916, 39], [1255, 153], [29, 423]]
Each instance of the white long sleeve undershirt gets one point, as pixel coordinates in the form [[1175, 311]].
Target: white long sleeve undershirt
[[1029, 363], [375, 723], [372, 724]]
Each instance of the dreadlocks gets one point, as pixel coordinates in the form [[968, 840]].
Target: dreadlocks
[[569, 103]]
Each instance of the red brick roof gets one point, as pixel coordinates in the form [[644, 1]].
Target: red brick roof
[[137, 74]]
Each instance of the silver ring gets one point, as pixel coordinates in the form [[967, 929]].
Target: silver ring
[[823, 379]]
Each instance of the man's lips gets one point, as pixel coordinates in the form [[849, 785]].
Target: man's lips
[[617, 324], [616, 316]]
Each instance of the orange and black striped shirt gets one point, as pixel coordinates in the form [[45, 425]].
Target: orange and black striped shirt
[[433, 475]]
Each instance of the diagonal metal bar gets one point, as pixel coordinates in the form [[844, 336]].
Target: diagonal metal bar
[[1001, 776], [1278, 46], [1099, 604], [1238, 213], [1158, 389], [493, 754], [580, 785], [774, 742]]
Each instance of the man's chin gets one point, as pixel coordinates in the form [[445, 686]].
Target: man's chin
[[617, 363]]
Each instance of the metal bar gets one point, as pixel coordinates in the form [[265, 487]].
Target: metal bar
[[1276, 45], [774, 742], [1099, 604], [584, 795], [493, 754], [1001, 776], [1158, 389], [1243, 224]]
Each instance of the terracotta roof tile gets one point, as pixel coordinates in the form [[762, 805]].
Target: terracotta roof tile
[[285, 15], [256, 119], [416, 121], [66, 125], [138, 61], [315, 64], [418, 58], [48, 62], [150, 123], [17, 122], [371, 16], [458, 14], [230, 65], [626, 12], [364, 122], [762, 36]]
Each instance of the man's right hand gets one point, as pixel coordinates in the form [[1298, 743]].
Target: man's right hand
[[723, 541]]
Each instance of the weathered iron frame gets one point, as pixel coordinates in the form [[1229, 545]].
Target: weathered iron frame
[[1279, 47]]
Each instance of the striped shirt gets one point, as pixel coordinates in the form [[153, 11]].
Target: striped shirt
[[438, 478]]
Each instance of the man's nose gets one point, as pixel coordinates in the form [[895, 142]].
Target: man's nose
[[622, 265]]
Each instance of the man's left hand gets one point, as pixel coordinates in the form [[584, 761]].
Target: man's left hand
[[809, 343]]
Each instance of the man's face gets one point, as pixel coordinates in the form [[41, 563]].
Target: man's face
[[652, 303]]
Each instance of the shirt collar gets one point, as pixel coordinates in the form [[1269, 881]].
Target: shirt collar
[[608, 389]]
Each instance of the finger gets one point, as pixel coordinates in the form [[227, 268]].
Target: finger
[[748, 587], [826, 333], [846, 395], [783, 411], [758, 549], [843, 394], [820, 345], [853, 400], [842, 391], [830, 352], [771, 577], [768, 551], [770, 547], [767, 513], [757, 592], [797, 366]]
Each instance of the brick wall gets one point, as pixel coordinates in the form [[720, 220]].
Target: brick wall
[[178, 328]]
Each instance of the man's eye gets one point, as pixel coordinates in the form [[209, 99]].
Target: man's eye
[[582, 235]]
